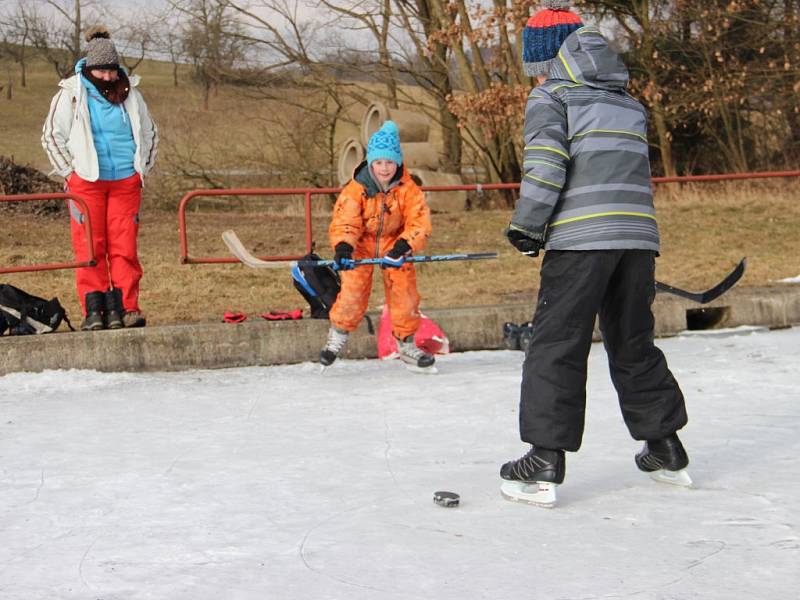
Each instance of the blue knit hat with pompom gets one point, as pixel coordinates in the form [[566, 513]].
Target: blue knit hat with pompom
[[385, 144]]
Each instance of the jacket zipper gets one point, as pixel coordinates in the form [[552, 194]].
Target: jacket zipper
[[107, 147], [380, 226]]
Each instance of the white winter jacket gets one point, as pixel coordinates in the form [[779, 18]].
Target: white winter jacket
[[67, 132]]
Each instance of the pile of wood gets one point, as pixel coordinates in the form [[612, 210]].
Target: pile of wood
[[22, 179]]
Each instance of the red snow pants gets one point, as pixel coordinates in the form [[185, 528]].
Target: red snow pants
[[400, 287], [114, 213]]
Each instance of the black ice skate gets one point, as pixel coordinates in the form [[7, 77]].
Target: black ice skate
[[334, 344], [417, 360], [665, 460], [511, 335], [533, 478]]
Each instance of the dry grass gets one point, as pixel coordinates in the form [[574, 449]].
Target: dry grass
[[705, 229]]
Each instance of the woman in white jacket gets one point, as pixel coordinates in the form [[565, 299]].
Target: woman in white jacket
[[99, 136]]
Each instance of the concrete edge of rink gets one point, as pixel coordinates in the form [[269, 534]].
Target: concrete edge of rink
[[258, 342]]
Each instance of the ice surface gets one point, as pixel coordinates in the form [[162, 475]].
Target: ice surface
[[281, 483]]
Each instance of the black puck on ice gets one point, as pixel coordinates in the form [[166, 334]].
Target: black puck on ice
[[446, 499]]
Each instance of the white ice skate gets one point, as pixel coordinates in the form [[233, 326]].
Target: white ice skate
[[416, 359], [680, 478], [541, 493]]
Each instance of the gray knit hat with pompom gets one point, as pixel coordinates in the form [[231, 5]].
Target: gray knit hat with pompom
[[100, 50]]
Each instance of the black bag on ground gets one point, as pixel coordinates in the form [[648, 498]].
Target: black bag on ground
[[318, 285], [22, 313]]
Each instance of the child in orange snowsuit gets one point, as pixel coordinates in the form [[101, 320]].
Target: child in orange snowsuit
[[381, 212]]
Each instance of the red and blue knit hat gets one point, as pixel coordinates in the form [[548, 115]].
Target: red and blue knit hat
[[544, 33]]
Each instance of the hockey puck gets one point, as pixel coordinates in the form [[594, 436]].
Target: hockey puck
[[446, 499]]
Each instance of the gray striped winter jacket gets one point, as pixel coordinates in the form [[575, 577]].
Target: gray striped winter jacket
[[586, 183]]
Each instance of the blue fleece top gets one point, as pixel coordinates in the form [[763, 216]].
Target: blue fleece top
[[111, 131]]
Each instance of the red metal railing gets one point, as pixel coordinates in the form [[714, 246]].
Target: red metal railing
[[725, 177], [309, 192], [87, 226], [306, 192]]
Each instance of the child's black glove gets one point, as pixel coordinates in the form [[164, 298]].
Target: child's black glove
[[524, 243], [395, 257], [343, 257]]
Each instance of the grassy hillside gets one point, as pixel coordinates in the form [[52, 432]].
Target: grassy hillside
[[705, 228], [243, 140]]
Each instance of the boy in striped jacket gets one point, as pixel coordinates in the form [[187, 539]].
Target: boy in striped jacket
[[586, 200]]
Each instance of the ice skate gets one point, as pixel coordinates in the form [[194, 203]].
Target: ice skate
[[511, 335], [533, 478], [417, 360], [334, 344], [665, 460]]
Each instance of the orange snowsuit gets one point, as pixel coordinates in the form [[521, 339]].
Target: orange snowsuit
[[371, 221]]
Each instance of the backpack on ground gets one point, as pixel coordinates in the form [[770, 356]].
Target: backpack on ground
[[22, 313], [318, 285]]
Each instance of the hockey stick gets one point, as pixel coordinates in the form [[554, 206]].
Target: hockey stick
[[710, 294], [239, 251]]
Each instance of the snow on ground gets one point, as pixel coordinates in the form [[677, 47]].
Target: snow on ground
[[281, 483]]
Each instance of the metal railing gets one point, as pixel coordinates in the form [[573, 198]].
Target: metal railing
[[87, 226], [307, 193], [188, 197], [725, 177]]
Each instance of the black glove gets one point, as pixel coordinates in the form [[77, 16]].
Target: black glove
[[523, 242], [396, 256], [400, 248], [343, 257]]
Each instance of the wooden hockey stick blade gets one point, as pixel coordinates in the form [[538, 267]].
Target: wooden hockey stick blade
[[710, 294], [236, 247]]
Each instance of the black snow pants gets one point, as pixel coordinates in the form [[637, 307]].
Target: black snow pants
[[575, 287]]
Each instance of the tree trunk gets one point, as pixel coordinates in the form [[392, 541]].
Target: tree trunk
[[509, 58], [656, 107], [441, 86], [477, 58], [385, 57], [664, 142], [76, 33], [440, 12], [792, 84]]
